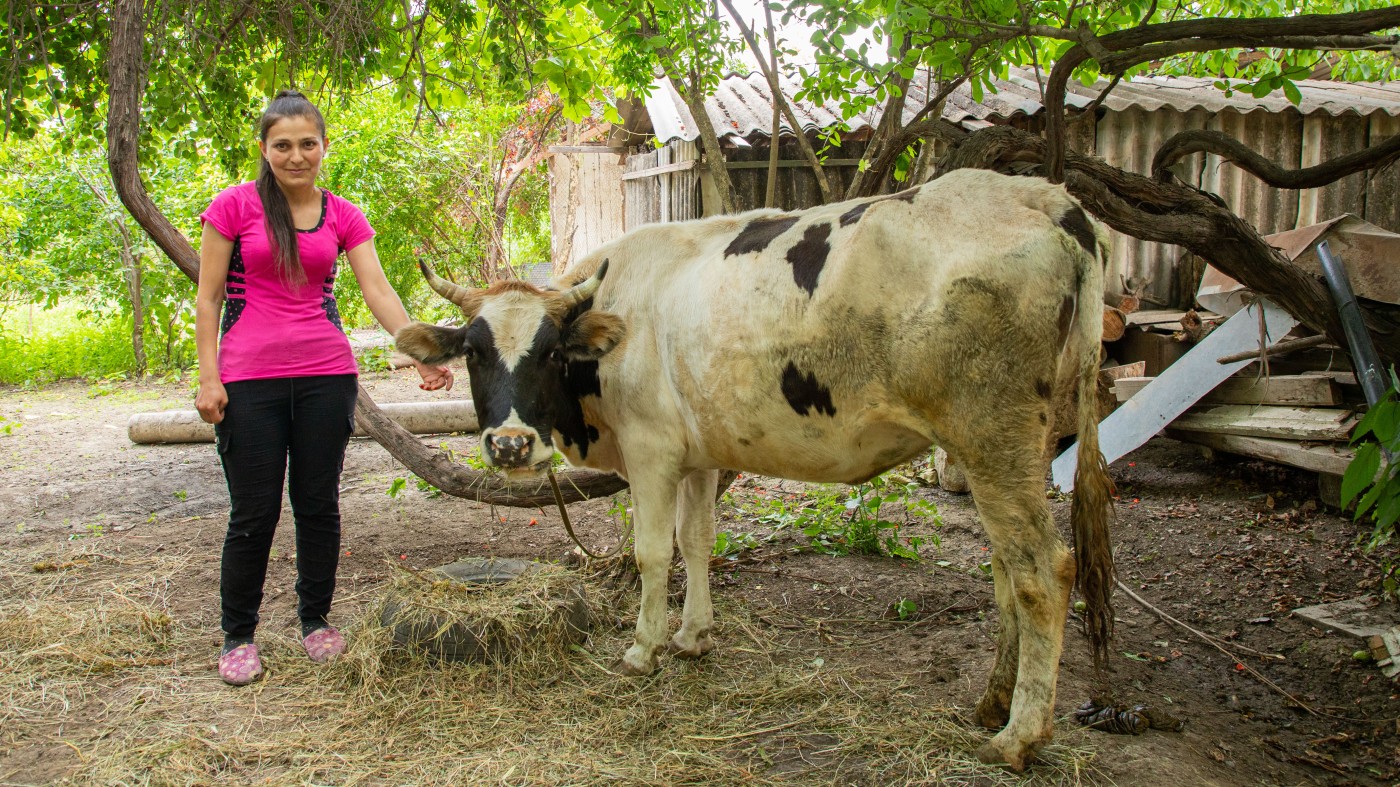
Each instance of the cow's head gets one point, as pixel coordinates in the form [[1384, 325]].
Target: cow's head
[[517, 342]]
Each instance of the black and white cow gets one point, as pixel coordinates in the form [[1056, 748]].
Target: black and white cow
[[826, 345]]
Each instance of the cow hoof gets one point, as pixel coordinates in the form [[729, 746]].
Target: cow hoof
[[1012, 755], [991, 714], [701, 647], [628, 667]]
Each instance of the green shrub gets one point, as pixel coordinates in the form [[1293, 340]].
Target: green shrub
[[1372, 479], [62, 345]]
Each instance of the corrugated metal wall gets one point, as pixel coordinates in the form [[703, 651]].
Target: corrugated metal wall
[[1129, 138], [585, 203]]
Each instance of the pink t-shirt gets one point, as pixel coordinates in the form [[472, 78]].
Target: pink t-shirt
[[270, 329]]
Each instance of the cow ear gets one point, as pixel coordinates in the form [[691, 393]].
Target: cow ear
[[431, 344], [591, 336]]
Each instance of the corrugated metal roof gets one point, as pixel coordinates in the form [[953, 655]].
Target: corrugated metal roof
[[742, 107]]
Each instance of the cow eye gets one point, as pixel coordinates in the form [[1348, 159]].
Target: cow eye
[[557, 355]]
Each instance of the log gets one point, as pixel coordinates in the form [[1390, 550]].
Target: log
[[1115, 322], [1066, 416], [185, 426]]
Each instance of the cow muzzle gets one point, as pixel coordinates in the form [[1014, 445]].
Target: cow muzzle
[[515, 451]]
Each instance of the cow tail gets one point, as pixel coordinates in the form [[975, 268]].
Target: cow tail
[[1091, 512]]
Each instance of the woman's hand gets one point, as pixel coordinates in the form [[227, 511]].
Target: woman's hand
[[210, 401], [434, 377]]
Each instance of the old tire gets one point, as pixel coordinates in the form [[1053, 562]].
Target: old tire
[[480, 640]]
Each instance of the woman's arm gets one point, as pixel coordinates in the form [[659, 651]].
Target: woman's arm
[[214, 253], [384, 303]]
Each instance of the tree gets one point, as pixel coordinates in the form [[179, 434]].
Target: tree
[[206, 65]]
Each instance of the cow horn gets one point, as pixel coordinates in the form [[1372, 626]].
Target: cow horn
[[584, 290], [468, 299]]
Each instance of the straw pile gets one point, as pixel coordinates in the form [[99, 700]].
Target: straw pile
[[102, 680], [487, 609]]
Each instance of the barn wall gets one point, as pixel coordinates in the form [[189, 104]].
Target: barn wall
[[670, 196], [1128, 140], [1383, 186], [585, 203]]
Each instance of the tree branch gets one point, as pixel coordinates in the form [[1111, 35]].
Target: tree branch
[[1172, 213], [1201, 141]]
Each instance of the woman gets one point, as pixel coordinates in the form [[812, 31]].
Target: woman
[[277, 377]]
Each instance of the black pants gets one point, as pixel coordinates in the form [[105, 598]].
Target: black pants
[[269, 426]]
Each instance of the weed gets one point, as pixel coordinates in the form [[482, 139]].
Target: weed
[[728, 545], [396, 487], [427, 488], [181, 495], [375, 357], [904, 609], [92, 530], [8, 426], [839, 522]]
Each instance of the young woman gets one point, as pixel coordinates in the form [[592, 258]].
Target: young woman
[[277, 377]]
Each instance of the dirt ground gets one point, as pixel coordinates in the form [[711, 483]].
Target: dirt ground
[[1226, 546]]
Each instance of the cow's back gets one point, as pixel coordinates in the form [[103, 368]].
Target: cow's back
[[763, 340]]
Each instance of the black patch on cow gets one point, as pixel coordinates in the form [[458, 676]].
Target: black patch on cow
[[490, 380], [808, 256], [907, 195], [580, 380], [804, 393], [1076, 223], [758, 234], [1043, 390], [853, 215]]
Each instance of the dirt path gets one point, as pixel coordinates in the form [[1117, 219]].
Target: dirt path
[[1229, 548]]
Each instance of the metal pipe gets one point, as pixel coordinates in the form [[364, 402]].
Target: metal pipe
[[1363, 351]]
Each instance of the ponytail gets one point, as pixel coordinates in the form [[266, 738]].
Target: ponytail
[[281, 230]]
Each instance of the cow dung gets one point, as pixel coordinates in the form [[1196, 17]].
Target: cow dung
[[488, 609]]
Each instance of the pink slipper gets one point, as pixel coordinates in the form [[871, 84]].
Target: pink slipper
[[324, 644], [241, 666]]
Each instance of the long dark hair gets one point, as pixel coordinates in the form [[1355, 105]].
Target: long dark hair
[[281, 230]]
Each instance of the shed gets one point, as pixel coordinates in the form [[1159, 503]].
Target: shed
[[647, 170]]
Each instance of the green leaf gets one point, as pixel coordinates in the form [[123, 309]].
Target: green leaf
[[1360, 472]]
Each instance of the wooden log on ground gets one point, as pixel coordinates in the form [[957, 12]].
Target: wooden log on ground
[[1115, 322], [1284, 390], [185, 426]]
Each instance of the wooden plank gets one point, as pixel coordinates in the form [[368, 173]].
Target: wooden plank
[[763, 164], [586, 149], [1178, 387], [679, 166], [1331, 458], [1341, 378], [1290, 390], [1361, 617], [1296, 423]]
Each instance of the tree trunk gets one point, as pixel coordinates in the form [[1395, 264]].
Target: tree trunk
[[1170, 213], [132, 267], [127, 75], [709, 145]]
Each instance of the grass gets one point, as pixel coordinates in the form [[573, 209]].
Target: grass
[[104, 684], [60, 343]]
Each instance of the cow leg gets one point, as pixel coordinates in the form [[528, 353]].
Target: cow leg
[[654, 493], [995, 706], [695, 532], [1035, 581]]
